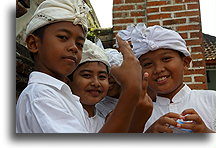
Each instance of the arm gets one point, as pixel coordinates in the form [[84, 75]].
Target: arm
[[143, 109], [128, 75]]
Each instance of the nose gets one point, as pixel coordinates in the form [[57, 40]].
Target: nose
[[72, 47], [95, 82], [159, 68]]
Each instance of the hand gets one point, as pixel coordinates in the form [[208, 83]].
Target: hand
[[163, 123], [196, 125], [129, 74]]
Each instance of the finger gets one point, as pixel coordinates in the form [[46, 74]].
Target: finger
[[145, 81], [124, 47], [173, 115], [186, 125], [193, 117], [188, 111]]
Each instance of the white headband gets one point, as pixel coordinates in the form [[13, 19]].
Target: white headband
[[115, 58], [92, 53], [50, 11], [152, 38]]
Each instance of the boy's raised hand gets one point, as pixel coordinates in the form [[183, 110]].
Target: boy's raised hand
[[129, 74], [196, 125]]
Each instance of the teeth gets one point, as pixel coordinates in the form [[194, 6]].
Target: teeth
[[161, 79]]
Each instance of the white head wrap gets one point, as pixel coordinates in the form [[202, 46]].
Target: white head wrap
[[152, 38], [50, 11], [92, 53], [115, 58]]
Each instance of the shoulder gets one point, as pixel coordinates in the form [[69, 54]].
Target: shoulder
[[205, 96], [203, 93]]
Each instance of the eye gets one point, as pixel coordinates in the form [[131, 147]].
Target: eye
[[80, 45], [166, 59], [87, 76], [147, 65], [103, 77], [62, 37]]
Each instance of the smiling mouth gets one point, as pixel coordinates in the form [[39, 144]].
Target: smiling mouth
[[161, 79], [95, 93]]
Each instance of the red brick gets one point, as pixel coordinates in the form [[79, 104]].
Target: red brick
[[195, 35], [151, 10], [195, 71], [184, 35], [187, 79], [153, 23], [193, 42], [117, 28], [200, 79], [120, 8], [174, 21], [117, 1], [188, 27], [188, 13], [196, 49], [195, 19], [157, 3], [173, 8], [197, 56], [198, 63], [123, 21], [140, 20], [140, 7], [193, 6], [137, 13], [120, 14], [197, 86], [187, 1], [133, 1], [158, 16]]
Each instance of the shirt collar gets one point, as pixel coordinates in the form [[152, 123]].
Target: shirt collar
[[39, 77], [180, 96]]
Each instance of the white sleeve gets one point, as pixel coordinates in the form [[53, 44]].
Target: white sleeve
[[51, 117]]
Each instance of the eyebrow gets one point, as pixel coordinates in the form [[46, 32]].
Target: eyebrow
[[87, 70], [163, 53], [70, 33]]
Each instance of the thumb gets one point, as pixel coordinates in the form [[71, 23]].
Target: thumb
[[114, 72], [145, 81]]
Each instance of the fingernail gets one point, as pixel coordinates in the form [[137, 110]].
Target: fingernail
[[178, 125]]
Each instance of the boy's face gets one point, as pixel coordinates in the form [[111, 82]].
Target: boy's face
[[166, 70], [60, 50], [114, 88], [90, 82]]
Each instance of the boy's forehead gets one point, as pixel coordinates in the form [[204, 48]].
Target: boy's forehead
[[68, 28], [156, 53]]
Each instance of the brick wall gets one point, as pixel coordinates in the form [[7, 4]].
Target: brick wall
[[180, 15]]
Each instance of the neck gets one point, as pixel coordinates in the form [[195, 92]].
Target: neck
[[173, 93], [90, 109]]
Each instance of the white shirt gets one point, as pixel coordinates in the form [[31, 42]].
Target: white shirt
[[47, 105], [105, 106], [202, 101]]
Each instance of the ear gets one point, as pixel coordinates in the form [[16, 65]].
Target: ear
[[186, 61], [32, 42]]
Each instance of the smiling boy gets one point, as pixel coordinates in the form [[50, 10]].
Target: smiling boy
[[164, 55]]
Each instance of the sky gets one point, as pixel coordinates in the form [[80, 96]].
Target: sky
[[103, 9]]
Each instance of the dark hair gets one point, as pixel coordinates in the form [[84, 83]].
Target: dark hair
[[40, 31]]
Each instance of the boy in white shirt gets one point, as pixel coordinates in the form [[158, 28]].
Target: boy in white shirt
[[164, 55], [55, 38]]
